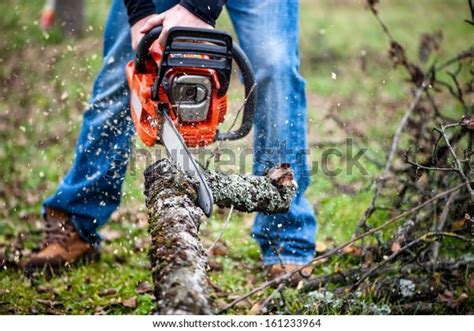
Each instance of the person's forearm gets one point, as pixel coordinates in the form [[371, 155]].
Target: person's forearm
[[207, 10], [138, 9]]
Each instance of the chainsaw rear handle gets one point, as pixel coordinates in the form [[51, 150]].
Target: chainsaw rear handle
[[221, 50]]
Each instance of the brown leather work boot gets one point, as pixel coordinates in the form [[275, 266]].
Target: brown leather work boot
[[277, 270], [62, 245]]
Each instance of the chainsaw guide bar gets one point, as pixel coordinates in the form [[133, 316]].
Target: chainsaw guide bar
[[183, 159]]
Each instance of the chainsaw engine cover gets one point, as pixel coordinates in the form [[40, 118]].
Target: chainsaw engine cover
[[188, 78], [191, 97]]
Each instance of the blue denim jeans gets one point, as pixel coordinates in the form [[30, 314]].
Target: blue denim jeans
[[268, 33]]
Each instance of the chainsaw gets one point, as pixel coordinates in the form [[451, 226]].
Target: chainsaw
[[178, 95]]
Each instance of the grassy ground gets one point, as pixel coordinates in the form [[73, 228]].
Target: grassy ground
[[45, 81]]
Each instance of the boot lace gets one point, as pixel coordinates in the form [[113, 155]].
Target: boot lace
[[57, 231]]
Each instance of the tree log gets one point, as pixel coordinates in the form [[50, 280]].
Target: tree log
[[266, 194], [177, 257]]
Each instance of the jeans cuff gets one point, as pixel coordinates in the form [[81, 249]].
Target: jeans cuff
[[94, 239], [298, 260]]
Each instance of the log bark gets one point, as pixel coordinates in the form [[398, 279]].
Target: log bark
[[177, 257], [266, 194]]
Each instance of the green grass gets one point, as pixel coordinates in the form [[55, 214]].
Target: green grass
[[45, 83]]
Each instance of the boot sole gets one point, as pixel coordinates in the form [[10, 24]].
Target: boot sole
[[49, 269]]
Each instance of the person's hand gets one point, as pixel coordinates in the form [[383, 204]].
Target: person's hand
[[176, 16], [135, 31]]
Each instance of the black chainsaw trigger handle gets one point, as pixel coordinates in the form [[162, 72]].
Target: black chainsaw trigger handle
[[250, 105], [143, 50]]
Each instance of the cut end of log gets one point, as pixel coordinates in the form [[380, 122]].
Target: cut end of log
[[282, 176]]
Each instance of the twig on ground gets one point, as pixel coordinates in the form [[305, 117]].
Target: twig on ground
[[442, 131], [323, 257], [224, 227], [423, 239], [263, 306], [388, 165], [440, 225]]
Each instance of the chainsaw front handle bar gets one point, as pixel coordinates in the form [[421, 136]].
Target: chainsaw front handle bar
[[143, 56], [219, 48], [250, 101]]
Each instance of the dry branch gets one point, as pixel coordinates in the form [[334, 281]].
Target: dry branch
[[321, 258], [177, 257], [427, 237], [270, 194]]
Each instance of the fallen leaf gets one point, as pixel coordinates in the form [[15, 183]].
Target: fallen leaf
[[140, 244], [471, 281], [397, 243], [110, 235], [252, 279], [255, 310], [43, 301], [144, 287], [395, 246], [437, 278], [468, 122], [351, 249], [142, 220], [43, 289], [107, 292], [458, 225], [321, 247], [219, 249], [248, 220], [220, 304], [49, 303], [447, 297], [214, 266], [99, 311], [462, 299], [115, 216], [130, 303], [329, 240], [246, 304]]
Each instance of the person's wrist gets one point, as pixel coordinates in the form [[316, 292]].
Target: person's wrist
[[188, 5], [136, 35]]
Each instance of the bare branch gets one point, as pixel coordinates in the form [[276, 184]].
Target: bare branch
[[323, 257]]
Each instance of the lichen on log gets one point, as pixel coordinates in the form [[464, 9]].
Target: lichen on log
[[177, 257], [269, 194]]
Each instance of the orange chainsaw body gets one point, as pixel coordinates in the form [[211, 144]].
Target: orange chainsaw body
[[144, 110], [186, 82]]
